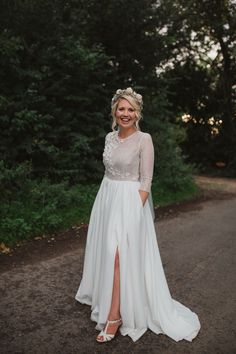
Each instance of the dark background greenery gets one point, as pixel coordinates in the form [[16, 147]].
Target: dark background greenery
[[61, 62]]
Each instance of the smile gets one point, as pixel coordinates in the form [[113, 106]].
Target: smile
[[126, 120]]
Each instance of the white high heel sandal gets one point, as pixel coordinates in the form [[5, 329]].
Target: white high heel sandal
[[106, 337]]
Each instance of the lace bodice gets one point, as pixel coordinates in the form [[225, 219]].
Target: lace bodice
[[131, 158]]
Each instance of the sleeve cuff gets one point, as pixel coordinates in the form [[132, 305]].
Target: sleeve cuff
[[146, 185]]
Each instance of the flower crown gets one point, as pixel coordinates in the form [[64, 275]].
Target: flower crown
[[128, 92]]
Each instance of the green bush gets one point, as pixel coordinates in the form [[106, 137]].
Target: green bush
[[171, 173], [34, 207]]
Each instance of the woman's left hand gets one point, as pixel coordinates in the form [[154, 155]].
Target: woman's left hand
[[143, 196]]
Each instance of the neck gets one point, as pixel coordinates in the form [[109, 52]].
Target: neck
[[125, 132]]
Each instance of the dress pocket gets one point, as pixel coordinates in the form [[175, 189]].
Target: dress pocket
[[140, 200]]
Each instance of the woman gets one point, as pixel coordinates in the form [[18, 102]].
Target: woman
[[123, 279]]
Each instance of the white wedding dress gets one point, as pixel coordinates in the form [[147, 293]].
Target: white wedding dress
[[119, 219]]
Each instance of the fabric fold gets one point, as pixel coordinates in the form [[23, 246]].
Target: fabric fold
[[118, 219]]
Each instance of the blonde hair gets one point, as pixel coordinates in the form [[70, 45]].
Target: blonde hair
[[133, 98]]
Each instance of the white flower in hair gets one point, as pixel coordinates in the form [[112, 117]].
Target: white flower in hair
[[129, 90], [139, 97]]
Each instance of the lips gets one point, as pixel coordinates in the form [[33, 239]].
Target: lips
[[125, 120]]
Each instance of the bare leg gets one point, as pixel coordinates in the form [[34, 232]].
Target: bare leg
[[114, 313]]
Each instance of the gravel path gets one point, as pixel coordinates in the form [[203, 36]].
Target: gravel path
[[38, 313]]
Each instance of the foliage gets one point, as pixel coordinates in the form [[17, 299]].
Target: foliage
[[163, 196], [170, 171], [62, 61], [31, 208], [55, 89], [53, 94], [202, 68]]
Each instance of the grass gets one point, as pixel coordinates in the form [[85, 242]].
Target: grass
[[163, 196], [46, 209]]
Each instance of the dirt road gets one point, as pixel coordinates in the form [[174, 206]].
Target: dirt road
[[38, 313]]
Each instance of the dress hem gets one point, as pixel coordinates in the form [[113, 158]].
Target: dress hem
[[135, 333]]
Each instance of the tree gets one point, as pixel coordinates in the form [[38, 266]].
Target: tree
[[201, 35], [53, 93]]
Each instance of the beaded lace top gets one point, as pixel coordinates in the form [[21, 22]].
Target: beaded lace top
[[131, 158]]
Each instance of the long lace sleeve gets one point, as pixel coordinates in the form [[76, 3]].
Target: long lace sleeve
[[146, 163]]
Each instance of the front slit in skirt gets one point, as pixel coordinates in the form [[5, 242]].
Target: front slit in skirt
[[119, 219]]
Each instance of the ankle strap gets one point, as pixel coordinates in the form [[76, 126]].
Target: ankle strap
[[115, 321]]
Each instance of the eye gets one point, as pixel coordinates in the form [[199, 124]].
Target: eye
[[131, 110]]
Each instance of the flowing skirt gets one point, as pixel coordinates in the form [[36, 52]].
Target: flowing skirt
[[119, 219]]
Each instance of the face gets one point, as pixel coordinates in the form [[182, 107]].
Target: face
[[125, 114]]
